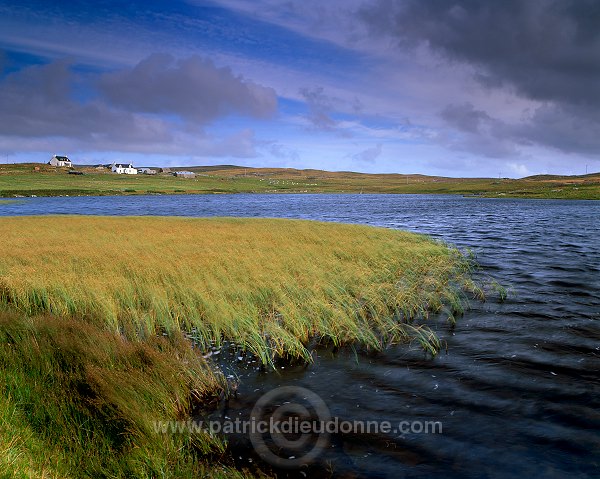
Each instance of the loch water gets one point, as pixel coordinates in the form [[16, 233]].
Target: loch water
[[518, 388]]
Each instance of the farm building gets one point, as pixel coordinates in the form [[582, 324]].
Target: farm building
[[184, 174], [146, 171], [58, 160], [123, 169]]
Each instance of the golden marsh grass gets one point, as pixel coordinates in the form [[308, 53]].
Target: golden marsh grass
[[86, 366], [270, 285]]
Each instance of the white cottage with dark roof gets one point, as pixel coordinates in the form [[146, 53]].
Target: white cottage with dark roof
[[58, 160], [123, 169]]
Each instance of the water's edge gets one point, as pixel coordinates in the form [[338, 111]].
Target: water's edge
[[518, 389]]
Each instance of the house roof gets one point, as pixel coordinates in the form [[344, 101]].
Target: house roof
[[123, 165], [61, 158]]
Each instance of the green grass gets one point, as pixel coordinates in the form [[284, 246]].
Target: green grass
[[23, 179], [94, 311], [79, 402]]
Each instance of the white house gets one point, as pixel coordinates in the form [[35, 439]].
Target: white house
[[124, 168], [58, 160]]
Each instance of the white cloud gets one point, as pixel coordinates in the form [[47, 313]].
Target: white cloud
[[519, 168]]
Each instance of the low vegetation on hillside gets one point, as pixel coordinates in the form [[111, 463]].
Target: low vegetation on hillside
[[43, 180]]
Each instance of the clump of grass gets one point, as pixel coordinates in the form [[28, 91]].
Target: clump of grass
[[502, 291], [270, 285], [77, 401]]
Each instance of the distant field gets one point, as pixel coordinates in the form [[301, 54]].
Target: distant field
[[24, 180]]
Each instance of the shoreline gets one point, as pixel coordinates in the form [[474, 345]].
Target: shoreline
[[8, 196]]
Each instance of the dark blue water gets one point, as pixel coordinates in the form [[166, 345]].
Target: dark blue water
[[518, 391]]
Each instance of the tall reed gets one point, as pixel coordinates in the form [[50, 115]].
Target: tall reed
[[270, 285]]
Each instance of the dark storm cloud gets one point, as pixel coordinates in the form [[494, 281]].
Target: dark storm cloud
[[43, 103], [479, 132], [193, 88], [465, 117], [547, 49], [563, 127], [544, 50], [37, 102]]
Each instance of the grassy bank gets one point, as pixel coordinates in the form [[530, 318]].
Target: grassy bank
[[79, 402], [93, 310], [25, 180], [271, 285]]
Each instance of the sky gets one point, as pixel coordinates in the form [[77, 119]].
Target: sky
[[454, 88]]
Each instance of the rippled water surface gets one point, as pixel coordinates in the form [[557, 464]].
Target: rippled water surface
[[518, 390]]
